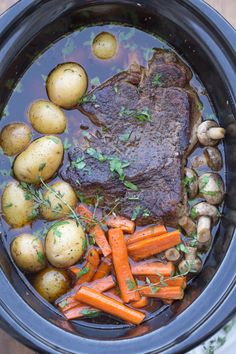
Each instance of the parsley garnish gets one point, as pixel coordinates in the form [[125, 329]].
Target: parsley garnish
[[157, 80]]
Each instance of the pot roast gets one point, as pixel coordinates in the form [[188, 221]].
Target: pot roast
[[146, 118]]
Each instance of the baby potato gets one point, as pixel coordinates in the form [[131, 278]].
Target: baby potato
[[17, 208], [65, 243], [14, 138], [28, 253], [51, 283], [66, 84], [57, 209], [41, 159], [104, 45], [46, 117]]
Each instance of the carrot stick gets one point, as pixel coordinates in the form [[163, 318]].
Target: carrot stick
[[140, 303], [100, 238], [155, 279], [85, 213], [102, 271], [90, 268], [146, 233], [119, 222], [165, 292], [153, 268], [93, 298], [68, 300], [121, 265], [154, 245], [80, 311]]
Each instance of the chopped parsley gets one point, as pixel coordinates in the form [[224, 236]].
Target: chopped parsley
[[157, 80], [131, 284], [136, 212]]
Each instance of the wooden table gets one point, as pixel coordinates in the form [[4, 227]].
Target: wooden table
[[228, 9]]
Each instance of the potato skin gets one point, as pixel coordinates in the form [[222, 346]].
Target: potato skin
[[65, 243], [41, 159], [68, 195], [16, 209], [46, 117], [51, 283], [104, 45], [15, 138], [66, 84], [28, 253]]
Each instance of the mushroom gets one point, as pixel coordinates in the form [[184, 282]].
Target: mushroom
[[191, 263], [211, 188], [191, 182], [211, 157], [207, 215], [188, 225], [209, 133], [172, 254]]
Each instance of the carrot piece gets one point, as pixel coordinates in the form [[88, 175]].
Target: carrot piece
[[102, 271], [68, 300], [140, 303], [165, 292], [124, 276], [152, 268], [155, 279], [85, 214], [100, 238], [90, 268], [146, 233], [93, 298], [154, 245], [119, 222], [80, 311]]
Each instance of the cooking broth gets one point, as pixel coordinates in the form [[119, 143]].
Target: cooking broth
[[134, 46]]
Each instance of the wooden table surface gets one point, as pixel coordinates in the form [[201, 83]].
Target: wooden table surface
[[228, 9]]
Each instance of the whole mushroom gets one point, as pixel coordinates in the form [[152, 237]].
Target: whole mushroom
[[191, 263], [206, 215], [209, 133], [191, 182], [211, 157], [211, 188]]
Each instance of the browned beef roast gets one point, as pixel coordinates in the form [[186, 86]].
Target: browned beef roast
[[148, 116]]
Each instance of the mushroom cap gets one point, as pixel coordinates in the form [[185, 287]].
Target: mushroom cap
[[205, 209], [202, 135], [214, 158], [191, 182], [211, 188]]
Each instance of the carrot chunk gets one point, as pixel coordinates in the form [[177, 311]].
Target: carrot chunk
[[165, 292], [100, 238], [124, 276], [153, 268], [149, 247], [103, 270], [93, 298], [146, 233], [140, 303], [119, 222]]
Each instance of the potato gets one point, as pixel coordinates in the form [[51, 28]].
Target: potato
[[28, 253], [66, 84], [104, 45], [46, 117], [51, 283], [40, 160], [14, 138], [65, 243], [17, 208], [57, 209]]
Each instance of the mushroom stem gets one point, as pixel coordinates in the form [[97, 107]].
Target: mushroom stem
[[187, 224], [172, 254], [204, 229], [216, 133]]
